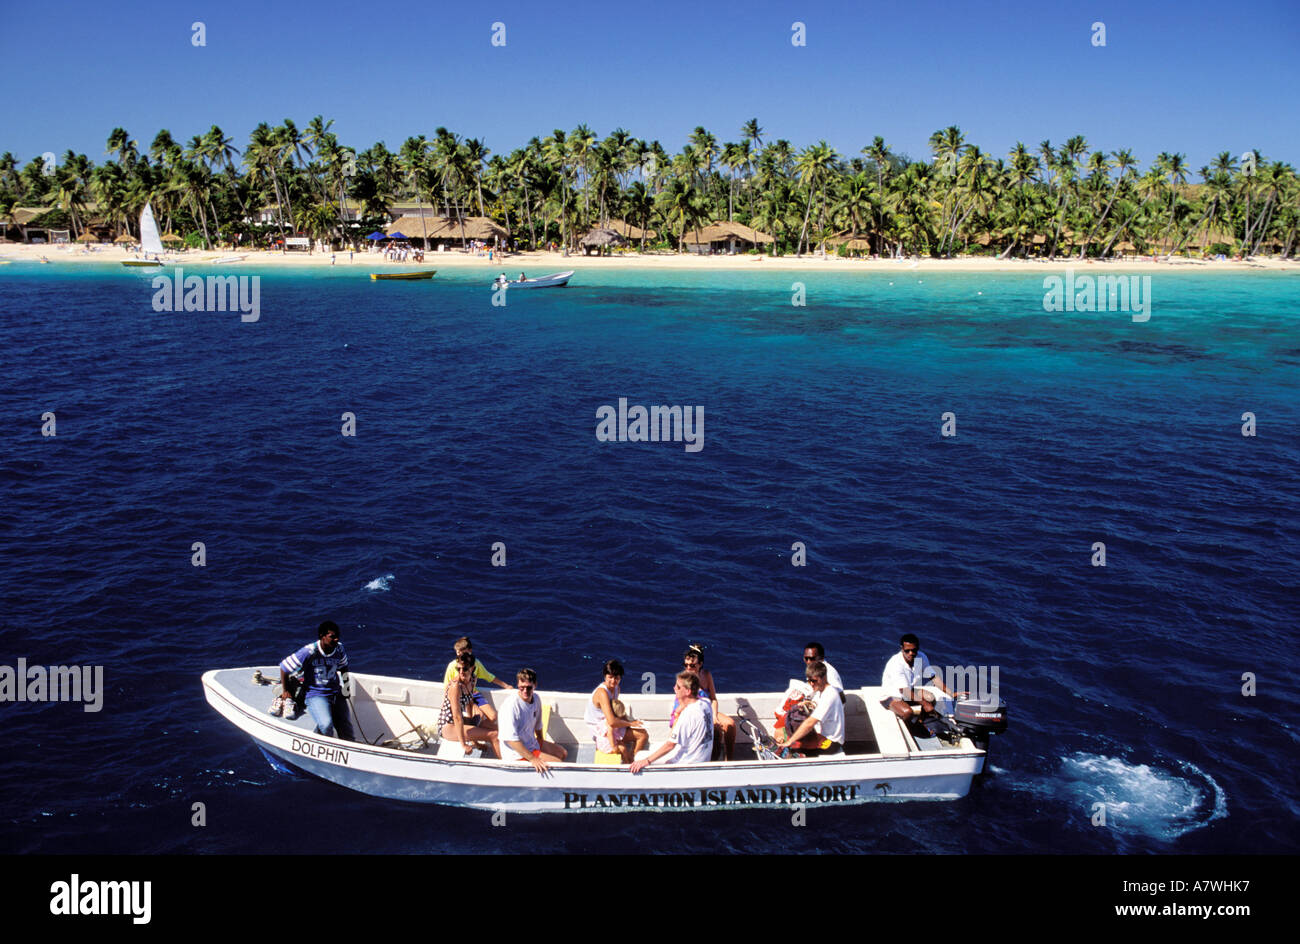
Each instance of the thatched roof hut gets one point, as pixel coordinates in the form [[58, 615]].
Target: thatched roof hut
[[448, 229], [848, 241], [718, 237], [601, 239], [628, 231]]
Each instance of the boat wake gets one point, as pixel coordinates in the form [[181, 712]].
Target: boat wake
[[1157, 803], [380, 583]]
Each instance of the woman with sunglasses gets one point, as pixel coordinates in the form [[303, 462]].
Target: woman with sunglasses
[[458, 720], [724, 725]]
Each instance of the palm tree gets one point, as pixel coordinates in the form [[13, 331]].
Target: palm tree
[[814, 167], [413, 158]]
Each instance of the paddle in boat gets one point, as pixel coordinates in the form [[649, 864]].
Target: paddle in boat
[[403, 276], [150, 243], [555, 280], [402, 758]]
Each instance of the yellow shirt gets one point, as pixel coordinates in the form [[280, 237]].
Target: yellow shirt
[[479, 672]]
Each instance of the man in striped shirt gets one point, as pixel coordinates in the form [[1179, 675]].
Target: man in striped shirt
[[324, 667]]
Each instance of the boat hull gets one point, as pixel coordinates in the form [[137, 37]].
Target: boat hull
[[402, 276], [558, 280], [138, 264], [424, 777]]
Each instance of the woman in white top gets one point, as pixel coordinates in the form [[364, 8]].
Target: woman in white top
[[602, 722]]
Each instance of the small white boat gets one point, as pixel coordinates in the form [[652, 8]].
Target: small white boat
[[400, 760], [555, 280]]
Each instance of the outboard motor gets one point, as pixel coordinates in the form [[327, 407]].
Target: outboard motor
[[979, 717]]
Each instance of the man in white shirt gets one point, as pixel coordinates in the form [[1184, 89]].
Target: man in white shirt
[[521, 724], [909, 677], [827, 718], [814, 652], [691, 739]]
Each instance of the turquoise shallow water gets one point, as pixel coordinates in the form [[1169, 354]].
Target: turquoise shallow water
[[476, 424]]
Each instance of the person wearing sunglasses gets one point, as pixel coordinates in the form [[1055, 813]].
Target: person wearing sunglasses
[[521, 724], [815, 652], [827, 719], [724, 726], [458, 721], [909, 673], [690, 741]]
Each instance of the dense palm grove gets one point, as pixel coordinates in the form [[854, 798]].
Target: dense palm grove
[[1051, 201]]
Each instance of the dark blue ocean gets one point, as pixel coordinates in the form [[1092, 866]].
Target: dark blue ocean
[[476, 424]]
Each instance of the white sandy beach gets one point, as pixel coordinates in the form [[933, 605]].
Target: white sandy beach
[[541, 263]]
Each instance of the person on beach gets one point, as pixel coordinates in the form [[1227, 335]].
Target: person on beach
[[909, 673], [691, 739], [724, 725], [457, 721], [521, 724], [324, 668], [815, 652], [600, 717], [463, 646], [827, 719]]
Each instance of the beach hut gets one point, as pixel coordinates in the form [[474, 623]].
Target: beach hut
[[629, 232], [850, 241], [446, 231], [725, 237], [22, 219], [600, 239]]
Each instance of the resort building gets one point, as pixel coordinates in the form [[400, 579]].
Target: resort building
[[439, 233], [725, 238]]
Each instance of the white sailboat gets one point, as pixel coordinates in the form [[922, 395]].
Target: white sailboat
[[150, 243]]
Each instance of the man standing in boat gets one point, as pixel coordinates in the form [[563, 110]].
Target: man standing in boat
[[827, 718], [521, 724], [905, 673], [691, 739], [324, 667]]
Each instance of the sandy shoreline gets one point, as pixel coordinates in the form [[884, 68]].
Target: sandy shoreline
[[542, 263]]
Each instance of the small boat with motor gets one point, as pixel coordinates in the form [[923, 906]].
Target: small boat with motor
[[554, 280], [401, 757], [403, 276]]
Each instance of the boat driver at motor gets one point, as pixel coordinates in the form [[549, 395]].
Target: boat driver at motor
[[324, 667], [909, 673]]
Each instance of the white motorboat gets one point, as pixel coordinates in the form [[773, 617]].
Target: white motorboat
[[400, 759], [555, 280]]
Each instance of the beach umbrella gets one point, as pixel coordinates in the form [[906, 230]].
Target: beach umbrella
[[172, 238], [376, 235], [124, 239], [87, 238]]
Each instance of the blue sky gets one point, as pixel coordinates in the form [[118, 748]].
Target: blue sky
[[1195, 77]]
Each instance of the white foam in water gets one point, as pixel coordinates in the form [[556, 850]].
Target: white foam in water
[[379, 583], [1156, 802]]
